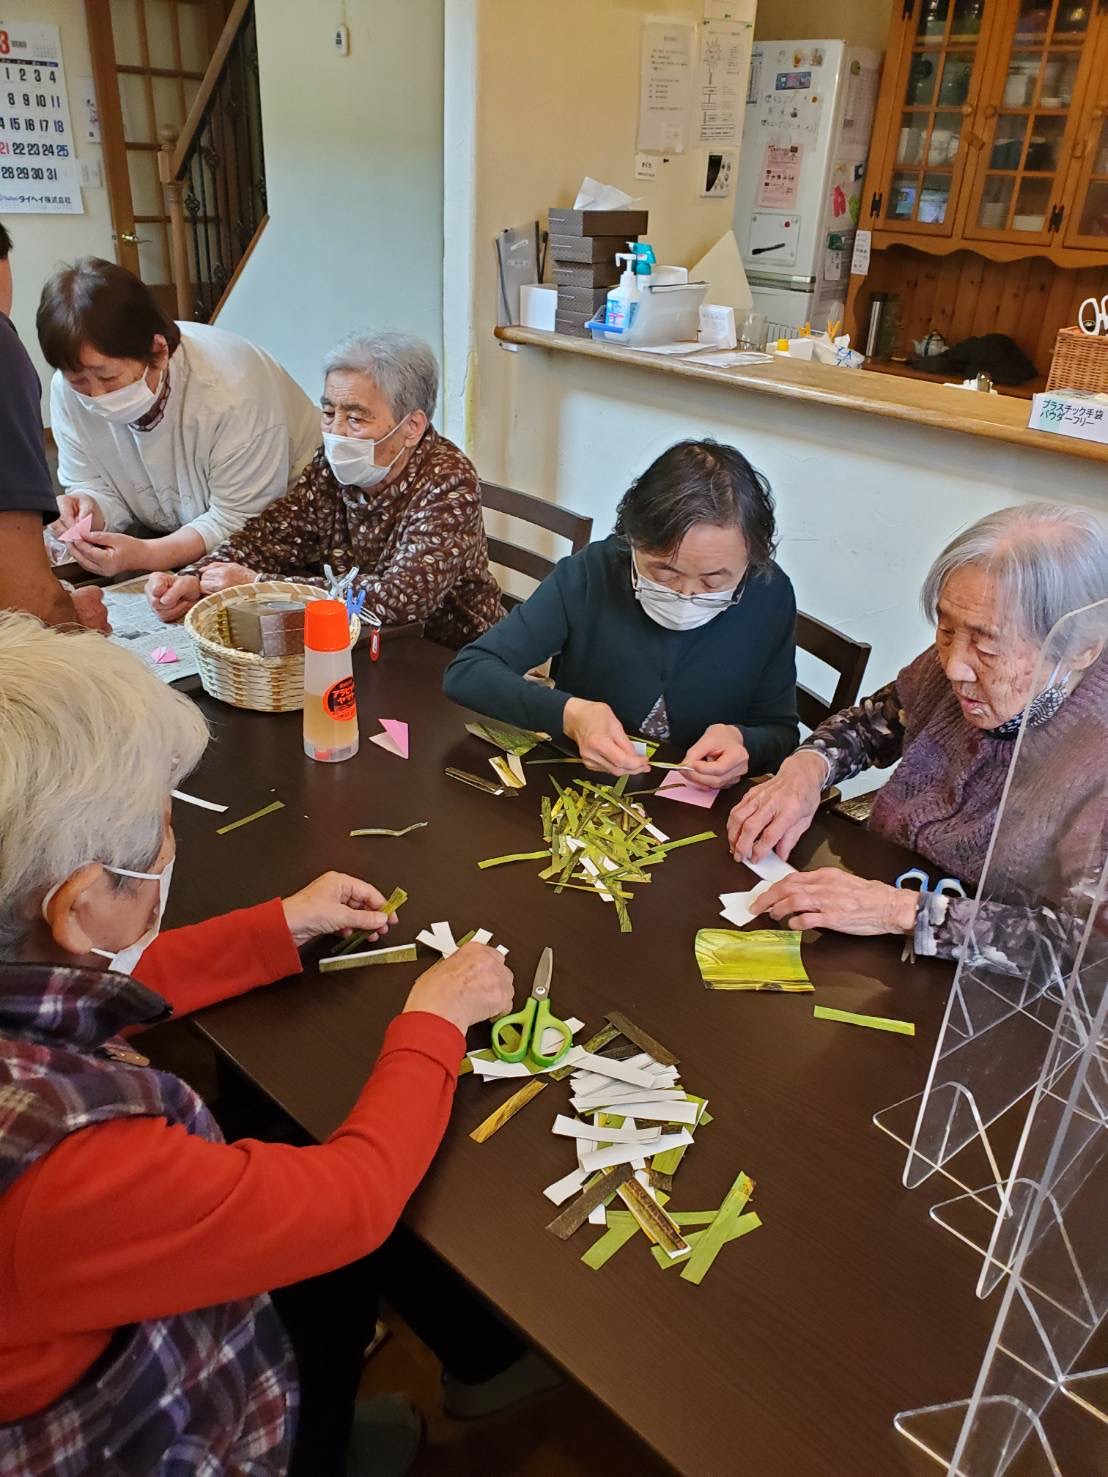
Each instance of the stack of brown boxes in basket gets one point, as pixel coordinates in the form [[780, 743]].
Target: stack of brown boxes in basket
[[583, 246]]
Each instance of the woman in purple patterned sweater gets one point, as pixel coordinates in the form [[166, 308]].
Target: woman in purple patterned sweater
[[951, 718]]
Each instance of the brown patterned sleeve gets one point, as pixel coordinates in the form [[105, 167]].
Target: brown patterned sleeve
[[437, 532], [870, 733], [281, 540]]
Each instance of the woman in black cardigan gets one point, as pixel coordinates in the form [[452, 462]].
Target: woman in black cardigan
[[679, 626]]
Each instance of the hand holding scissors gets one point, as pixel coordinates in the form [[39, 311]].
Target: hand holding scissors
[[533, 1021], [949, 885]]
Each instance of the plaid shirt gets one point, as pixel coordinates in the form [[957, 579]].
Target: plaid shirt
[[205, 1393]]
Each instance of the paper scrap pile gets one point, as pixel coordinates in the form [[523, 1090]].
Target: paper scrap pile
[[598, 840], [761, 959], [632, 1124]]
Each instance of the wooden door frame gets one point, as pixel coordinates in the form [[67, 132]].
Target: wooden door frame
[[1080, 168]]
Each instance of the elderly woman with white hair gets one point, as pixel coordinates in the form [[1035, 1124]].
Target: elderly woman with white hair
[[137, 1249], [951, 718], [386, 495]]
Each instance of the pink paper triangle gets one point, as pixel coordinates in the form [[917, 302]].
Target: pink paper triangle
[[82, 527], [396, 730], [677, 786]]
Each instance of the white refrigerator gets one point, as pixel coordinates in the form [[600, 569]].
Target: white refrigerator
[[809, 115]]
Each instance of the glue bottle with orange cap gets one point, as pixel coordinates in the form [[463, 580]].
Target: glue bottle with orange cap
[[330, 712]]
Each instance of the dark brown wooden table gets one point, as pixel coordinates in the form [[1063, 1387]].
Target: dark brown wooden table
[[806, 1337]]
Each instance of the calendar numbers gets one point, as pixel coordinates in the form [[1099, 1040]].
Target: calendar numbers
[[38, 167]]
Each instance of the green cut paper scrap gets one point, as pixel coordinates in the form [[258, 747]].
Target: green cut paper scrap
[[507, 736], [622, 1227], [726, 956], [255, 816], [876, 1022], [555, 761], [711, 1239], [396, 899], [518, 856], [355, 941], [667, 846], [745, 1223], [681, 1217], [769, 987], [387, 831], [402, 954]]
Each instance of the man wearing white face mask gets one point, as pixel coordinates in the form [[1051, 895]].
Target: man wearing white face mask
[[680, 626], [386, 496], [183, 429]]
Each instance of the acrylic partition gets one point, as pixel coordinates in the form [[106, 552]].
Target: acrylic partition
[[1015, 1111]]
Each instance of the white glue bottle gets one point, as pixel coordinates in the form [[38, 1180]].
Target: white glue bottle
[[330, 712]]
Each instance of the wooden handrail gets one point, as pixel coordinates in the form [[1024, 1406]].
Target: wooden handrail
[[232, 26]]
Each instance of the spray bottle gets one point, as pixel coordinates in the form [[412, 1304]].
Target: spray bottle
[[624, 299]]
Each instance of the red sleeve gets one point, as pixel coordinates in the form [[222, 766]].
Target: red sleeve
[[170, 1222], [196, 966]]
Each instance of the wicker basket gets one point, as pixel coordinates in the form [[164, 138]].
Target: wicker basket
[[268, 684], [1080, 362]]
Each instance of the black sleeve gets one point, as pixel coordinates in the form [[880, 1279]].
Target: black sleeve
[[25, 485]]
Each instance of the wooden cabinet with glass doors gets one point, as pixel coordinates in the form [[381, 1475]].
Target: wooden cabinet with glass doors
[[991, 133]]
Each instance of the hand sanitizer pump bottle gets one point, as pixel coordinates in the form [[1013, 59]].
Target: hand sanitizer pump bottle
[[624, 299]]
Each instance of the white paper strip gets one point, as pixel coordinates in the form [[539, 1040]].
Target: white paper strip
[[568, 1185], [771, 868], [660, 1110], [615, 1098], [628, 1153], [482, 936], [598, 1216], [738, 906], [573, 1128], [617, 1071], [439, 937], [196, 800]]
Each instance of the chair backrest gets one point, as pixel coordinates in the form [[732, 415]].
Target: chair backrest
[[535, 510], [848, 658]]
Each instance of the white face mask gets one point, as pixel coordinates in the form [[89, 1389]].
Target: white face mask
[[125, 960], [353, 458], [123, 406], [678, 612]]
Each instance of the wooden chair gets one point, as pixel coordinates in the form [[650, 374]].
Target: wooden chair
[[535, 510], [846, 657]]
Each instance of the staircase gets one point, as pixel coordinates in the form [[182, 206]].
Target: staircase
[[213, 173]]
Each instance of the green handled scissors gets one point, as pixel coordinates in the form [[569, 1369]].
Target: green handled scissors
[[533, 1021]]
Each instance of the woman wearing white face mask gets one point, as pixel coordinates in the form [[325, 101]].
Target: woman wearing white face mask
[[386, 496], [679, 626], [137, 1248], [183, 429]]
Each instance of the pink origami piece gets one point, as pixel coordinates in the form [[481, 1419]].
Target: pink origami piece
[[163, 655], [677, 786], [394, 740], [80, 530]]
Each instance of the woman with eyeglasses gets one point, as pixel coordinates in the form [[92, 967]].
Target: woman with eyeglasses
[[679, 626]]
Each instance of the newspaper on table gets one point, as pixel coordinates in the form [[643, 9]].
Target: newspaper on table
[[138, 630]]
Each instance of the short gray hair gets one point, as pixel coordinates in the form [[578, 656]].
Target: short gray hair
[[1049, 559], [403, 368], [92, 744]]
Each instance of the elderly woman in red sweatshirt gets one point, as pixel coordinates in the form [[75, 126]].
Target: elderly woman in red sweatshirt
[[136, 1247], [949, 721]]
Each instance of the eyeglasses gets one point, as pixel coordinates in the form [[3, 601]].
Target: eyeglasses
[[700, 602]]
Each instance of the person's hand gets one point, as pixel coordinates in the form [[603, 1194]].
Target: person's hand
[[773, 816], [72, 507], [215, 577], [472, 985], [830, 898], [172, 596], [108, 554], [335, 903], [719, 758], [600, 738], [91, 610]]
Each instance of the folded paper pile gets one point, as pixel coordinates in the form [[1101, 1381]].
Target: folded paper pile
[[762, 959], [632, 1125], [598, 840]]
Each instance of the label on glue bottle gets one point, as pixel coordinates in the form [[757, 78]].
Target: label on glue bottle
[[338, 700]]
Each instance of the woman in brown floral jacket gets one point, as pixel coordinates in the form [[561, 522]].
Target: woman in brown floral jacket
[[386, 494]]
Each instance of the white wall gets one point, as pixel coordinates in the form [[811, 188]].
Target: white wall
[[864, 22], [42, 242], [354, 177]]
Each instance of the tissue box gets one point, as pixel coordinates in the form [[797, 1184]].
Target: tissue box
[[1069, 413], [622, 223], [268, 627], [572, 323], [586, 274], [581, 299], [586, 248]]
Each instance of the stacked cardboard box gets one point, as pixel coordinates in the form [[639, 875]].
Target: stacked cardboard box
[[583, 246]]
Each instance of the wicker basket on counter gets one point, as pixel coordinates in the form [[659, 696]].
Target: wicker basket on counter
[[1080, 362], [267, 684]]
